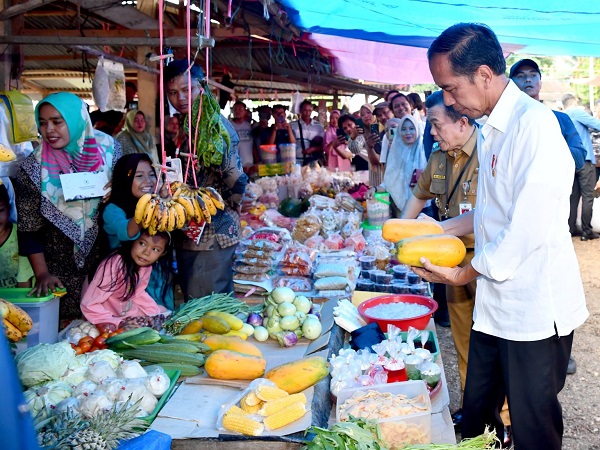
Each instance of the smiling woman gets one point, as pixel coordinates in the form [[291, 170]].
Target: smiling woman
[[59, 237]]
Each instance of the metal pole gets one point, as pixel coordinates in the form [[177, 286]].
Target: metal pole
[[591, 86]]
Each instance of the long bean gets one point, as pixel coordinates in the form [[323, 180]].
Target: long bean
[[197, 307]]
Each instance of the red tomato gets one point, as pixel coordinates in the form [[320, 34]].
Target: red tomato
[[104, 335], [88, 339], [114, 333], [93, 349], [99, 341], [85, 346], [73, 346], [119, 330], [78, 351]]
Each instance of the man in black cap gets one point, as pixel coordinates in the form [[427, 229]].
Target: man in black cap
[[527, 76]]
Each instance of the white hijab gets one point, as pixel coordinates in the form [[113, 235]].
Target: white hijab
[[402, 161]]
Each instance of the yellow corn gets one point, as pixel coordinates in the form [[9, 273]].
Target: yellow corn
[[242, 424], [236, 410], [250, 409], [251, 399], [268, 393], [275, 406], [285, 416]]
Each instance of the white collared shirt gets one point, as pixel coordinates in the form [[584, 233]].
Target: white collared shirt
[[309, 132], [530, 281]]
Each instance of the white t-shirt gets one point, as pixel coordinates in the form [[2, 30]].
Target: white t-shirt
[[530, 279], [244, 131]]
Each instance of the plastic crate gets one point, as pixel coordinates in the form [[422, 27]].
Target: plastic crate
[[402, 430], [43, 312]]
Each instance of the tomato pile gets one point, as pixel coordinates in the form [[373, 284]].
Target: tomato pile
[[89, 344]]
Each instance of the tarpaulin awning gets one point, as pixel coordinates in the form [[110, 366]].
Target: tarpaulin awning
[[551, 27]]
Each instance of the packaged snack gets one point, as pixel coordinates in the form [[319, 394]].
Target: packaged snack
[[306, 226], [334, 242], [296, 284], [330, 283], [331, 270], [315, 241], [257, 277], [250, 270]]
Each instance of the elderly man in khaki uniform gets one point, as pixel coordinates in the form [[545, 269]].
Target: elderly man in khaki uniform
[[451, 178]]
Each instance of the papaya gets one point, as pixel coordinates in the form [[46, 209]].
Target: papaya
[[441, 250], [297, 376], [230, 365], [394, 230], [193, 327], [221, 342], [215, 324]]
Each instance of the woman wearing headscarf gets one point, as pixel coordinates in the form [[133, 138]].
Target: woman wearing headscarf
[[338, 156], [60, 237], [404, 161], [134, 138]]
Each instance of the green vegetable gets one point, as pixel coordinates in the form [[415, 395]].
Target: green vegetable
[[45, 362], [290, 207], [126, 334], [352, 435], [164, 356], [197, 307], [484, 441], [145, 338]]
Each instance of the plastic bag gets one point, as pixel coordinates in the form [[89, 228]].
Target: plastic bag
[[108, 86], [297, 98], [334, 242]]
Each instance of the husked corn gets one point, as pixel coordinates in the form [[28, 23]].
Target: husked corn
[[285, 416], [250, 409], [251, 399], [268, 393], [242, 424], [236, 410], [275, 406]]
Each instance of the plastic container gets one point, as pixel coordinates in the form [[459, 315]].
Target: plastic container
[[391, 428], [268, 154], [382, 287], [413, 278], [370, 231], [419, 289], [399, 288], [288, 153], [378, 209], [43, 312], [419, 322], [400, 272], [376, 273], [363, 284], [367, 262]]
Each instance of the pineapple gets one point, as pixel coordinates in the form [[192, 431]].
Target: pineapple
[[70, 432]]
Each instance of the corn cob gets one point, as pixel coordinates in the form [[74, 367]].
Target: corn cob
[[242, 424], [250, 409], [251, 399], [236, 410], [285, 417], [268, 393], [274, 406]]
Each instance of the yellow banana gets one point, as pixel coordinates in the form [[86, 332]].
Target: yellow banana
[[179, 215], [204, 208], [140, 207], [12, 333], [171, 219], [149, 213], [17, 316], [188, 206], [151, 230], [212, 209], [216, 197], [157, 216], [3, 310], [176, 192], [198, 216], [176, 185], [164, 221]]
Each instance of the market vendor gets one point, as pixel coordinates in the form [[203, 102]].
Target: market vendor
[[205, 266], [450, 178], [530, 295], [60, 237]]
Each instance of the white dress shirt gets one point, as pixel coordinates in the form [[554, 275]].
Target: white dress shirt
[[530, 280], [309, 132]]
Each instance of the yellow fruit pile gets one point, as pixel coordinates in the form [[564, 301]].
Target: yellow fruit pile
[[187, 203], [17, 322]]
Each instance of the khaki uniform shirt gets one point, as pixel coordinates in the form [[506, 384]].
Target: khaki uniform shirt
[[440, 176]]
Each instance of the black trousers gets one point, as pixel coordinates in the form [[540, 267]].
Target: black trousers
[[531, 374], [583, 187]]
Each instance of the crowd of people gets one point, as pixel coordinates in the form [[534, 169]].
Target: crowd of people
[[508, 185]]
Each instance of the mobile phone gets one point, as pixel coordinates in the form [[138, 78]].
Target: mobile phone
[[374, 128], [281, 119], [340, 132], [392, 132]]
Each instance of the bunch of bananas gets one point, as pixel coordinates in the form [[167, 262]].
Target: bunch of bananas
[[17, 322], [159, 214], [200, 203]]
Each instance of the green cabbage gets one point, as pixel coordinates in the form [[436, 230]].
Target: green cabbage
[[45, 362]]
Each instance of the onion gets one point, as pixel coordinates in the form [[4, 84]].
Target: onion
[[255, 319], [261, 334]]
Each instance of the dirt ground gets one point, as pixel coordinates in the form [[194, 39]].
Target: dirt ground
[[580, 397]]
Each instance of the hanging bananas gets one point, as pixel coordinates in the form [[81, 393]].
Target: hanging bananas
[[200, 204]]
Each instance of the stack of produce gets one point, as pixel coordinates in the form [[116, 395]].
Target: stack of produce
[[17, 322], [286, 317]]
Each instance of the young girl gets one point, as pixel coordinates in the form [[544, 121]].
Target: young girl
[[15, 270], [118, 290], [133, 177]]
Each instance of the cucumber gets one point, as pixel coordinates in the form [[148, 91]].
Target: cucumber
[[125, 335], [187, 370], [162, 356], [147, 337], [183, 346]]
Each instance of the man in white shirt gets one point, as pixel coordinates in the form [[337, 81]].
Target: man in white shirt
[[309, 135], [244, 131], [529, 292]]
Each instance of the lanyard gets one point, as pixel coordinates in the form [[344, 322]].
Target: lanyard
[[449, 197]]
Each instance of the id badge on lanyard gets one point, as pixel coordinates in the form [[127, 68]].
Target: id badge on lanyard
[[465, 206]]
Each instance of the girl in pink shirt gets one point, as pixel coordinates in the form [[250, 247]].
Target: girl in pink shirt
[[118, 289]]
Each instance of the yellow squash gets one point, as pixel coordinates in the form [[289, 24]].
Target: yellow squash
[[297, 376], [440, 250], [234, 322], [229, 365], [215, 324], [395, 230]]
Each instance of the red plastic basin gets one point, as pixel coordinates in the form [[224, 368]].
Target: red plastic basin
[[418, 322]]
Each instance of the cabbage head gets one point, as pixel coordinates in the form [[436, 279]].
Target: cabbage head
[[45, 362]]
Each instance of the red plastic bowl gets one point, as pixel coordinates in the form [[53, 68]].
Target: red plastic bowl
[[418, 322]]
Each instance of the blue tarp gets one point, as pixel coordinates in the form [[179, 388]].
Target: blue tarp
[[548, 27]]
